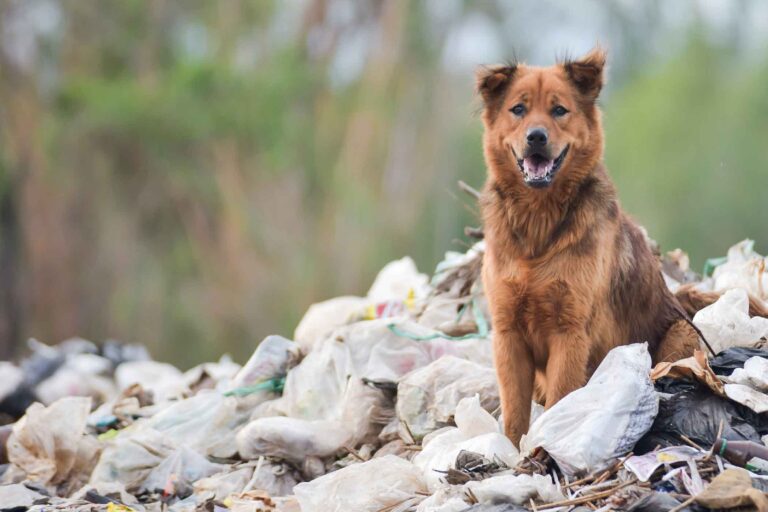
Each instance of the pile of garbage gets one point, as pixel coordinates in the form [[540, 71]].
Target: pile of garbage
[[389, 403]]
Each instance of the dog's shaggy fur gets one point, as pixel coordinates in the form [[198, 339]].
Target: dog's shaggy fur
[[568, 275]]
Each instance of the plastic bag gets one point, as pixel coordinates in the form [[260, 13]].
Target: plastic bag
[[324, 317], [696, 413], [206, 422], [130, 458], [366, 487], [297, 438], [730, 359], [592, 426], [80, 375], [743, 268], [427, 397], [268, 361], [726, 323], [754, 374], [164, 380], [477, 432], [397, 280], [517, 489], [48, 444], [175, 475]]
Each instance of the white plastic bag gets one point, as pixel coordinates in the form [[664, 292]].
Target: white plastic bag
[[754, 374], [179, 471], [427, 397], [726, 323], [322, 318], [396, 280], [517, 489], [477, 432], [268, 361], [366, 487], [592, 426], [164, 380], [743, 268]]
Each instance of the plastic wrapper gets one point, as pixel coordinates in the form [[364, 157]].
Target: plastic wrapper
[[427, 397], [366, 487], [592, 426], [48, 444], [517, 489], [726, 323]]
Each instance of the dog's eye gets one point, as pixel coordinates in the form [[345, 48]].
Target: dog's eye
[[518, 109], [559, 111]]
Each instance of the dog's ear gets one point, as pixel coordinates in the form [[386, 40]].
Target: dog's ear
[[492, 83], [586, 73]]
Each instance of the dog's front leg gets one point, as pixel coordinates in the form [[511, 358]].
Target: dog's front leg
[[566, 365], [515, 371]]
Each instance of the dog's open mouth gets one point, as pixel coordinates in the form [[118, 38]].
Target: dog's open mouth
[[538, 170]]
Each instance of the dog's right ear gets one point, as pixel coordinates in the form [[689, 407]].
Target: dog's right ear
[[492, 83]]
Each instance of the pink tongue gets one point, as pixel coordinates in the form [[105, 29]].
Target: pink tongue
[[537, 168]]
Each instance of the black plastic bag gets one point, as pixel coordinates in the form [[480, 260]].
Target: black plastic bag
[[696, 413], [728, 360]]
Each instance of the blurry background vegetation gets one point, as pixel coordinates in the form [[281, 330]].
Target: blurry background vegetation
[[192, 174]]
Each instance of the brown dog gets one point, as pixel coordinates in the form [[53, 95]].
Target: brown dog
[[568, 275]]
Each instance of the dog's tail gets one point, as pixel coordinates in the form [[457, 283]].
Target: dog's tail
[[693, 300]]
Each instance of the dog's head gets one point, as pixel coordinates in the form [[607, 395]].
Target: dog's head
[[542, 123]]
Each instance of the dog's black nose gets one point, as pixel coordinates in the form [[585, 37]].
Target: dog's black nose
[[537, 137]]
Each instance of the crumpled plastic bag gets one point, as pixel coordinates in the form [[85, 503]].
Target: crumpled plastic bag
[[366, 487], [517, 489], [175, 475], [697, 413], [48, 444], [80, 375], [164, 380], [130, 458], [324, 317], [728, 360], [743, 268], [295, 439], [592, 426], [754, 374], [270, 360], [427, 397], [206, 423], [396, 280], [477, 431], [726, 323]]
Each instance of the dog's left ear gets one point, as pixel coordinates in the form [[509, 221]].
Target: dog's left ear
[[586, 73]]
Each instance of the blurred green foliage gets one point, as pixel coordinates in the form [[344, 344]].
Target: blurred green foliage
[[192, 175]]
